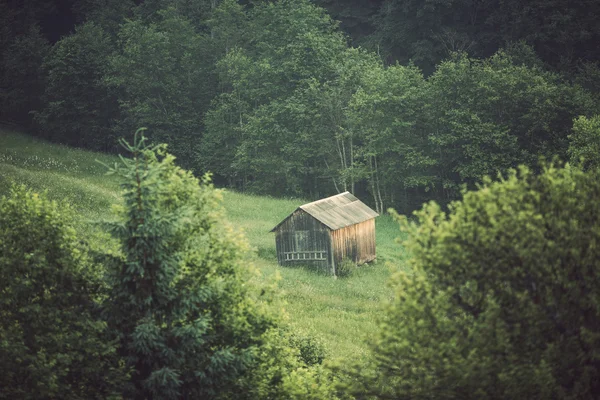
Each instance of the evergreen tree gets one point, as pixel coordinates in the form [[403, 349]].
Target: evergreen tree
[[189, 325]]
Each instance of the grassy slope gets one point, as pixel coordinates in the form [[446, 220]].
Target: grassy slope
[[341, 312]]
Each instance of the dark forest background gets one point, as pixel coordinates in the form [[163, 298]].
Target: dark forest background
[[398, 101]]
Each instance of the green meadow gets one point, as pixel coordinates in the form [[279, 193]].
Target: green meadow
[[341, 312]]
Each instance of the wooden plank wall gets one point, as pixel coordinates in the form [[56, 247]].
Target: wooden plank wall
[[356, 242], [303, 234]]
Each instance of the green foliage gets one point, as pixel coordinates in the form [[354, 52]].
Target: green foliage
[[21, 76], [588, 77], [53, 343], [268, 96], [311, 350], [339, 312], [79, 109], [388, 112], [584, 142], [345, 268], [188, 323], [563, 32], [164, 80], [311, 384], [488, 116], [355, 17], [387, 132], [198, 12], [108, 14], [501, 301], [229, 27], [256, 136]]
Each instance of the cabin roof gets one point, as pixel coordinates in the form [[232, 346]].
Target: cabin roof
[[337, 211]]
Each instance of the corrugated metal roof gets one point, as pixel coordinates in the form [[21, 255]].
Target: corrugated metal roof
[[338, 211]]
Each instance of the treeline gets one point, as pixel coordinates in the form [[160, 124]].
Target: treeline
[[563, 33], [270, 97]]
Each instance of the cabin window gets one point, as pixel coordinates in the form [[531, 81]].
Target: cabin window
[[301, 240]]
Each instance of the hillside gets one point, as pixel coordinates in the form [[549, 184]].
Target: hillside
[[340, 312]]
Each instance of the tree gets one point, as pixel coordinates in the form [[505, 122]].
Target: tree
[[356, 17], [501, 298], [491, 115], [164, 80], [108, 14], [196, 11], [22, 75], [53, 342], [79, 109], [229, 27], [389, 112], [584, 142], [294, 45], [189, 325], [562, 32]]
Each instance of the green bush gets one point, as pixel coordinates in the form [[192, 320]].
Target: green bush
[[311, 384], [502, 298], [346, 268], [53, 343], [311, 350]]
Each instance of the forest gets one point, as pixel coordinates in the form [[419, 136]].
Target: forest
[[401, 102], [475, 124]]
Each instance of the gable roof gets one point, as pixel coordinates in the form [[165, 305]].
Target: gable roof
[[337, 211]]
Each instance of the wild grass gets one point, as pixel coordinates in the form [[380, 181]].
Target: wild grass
[[341, 313]]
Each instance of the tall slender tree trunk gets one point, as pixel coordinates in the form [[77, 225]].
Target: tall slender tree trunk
[[345, 163], [378, 185], [341, 153], [352, 163]]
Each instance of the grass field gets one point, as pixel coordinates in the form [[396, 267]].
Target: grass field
[[340, 312]]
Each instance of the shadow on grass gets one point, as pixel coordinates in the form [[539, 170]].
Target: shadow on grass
[[311, 269], [267, 253]]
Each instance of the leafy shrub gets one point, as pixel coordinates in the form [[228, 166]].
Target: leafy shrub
[[311, 384], [502, 298], [312, 351], [585, 141], [53, 343]]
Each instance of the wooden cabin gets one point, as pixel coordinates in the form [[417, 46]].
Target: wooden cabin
[[327, 231]]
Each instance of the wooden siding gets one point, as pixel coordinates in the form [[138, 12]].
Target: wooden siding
[[355, 242], [325, 232], [302, 240]]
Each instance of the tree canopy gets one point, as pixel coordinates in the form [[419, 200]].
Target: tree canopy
[[272, 97], [501, 298]]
